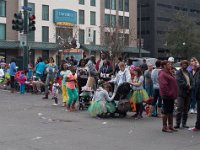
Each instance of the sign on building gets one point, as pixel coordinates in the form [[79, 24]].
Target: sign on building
[[89, 34]]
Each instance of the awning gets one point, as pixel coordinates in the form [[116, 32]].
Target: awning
[[32, 45], [104, 48]]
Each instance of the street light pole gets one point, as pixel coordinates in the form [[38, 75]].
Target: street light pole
[[140, 28], [25, 47]]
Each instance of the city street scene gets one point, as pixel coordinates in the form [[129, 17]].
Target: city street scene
[[99, 74]]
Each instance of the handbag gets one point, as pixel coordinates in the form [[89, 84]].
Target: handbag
[[124, 105]]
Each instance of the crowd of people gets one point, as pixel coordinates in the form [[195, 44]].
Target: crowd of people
[[170, 90]]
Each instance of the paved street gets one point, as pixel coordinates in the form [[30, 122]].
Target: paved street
[[29, 123]]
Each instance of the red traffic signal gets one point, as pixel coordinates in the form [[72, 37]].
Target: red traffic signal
[[32, 17]]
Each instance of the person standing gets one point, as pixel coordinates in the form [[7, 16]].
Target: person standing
[[157, 101], [22, 80], [144, 66], [51, 70], [92, 72], [139, 94], [168, 92], [184, 80], [82, 75], [71, 89], [196, 82], [12, 71], [40, 68], [148, 80], [194, 68], [64, 73]]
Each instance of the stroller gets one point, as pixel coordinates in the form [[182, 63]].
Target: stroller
[[85, 98], [121, 99]]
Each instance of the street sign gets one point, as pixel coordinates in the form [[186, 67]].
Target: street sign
[[27, 8], [23, 40], [89, 34]]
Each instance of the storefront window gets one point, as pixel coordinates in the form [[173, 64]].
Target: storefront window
[[113, 4], [107, 20], [107, 4], [126, 22], [121, 5], [127, 5]]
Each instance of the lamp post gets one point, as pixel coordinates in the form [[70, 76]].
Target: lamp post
[[140, 28]]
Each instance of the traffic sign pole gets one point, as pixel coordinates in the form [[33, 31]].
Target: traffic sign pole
[[25, 47]]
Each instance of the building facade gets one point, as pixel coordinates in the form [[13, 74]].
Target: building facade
[[156, 16], [60, 21]]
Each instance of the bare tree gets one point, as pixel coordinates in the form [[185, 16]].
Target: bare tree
[[116, 39]]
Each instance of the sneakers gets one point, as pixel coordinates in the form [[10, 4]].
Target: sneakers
[[194, 129], [55, 104], [191, 111]]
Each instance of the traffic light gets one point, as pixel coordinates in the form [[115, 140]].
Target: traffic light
[[32, 23], [18, 22]]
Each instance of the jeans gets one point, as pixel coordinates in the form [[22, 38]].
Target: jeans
[[149, 89], [193, 100], [182, 110], [198, 115], [157, 98], [22, 88]]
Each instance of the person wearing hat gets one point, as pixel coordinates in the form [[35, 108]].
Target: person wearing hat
[[184, 80]]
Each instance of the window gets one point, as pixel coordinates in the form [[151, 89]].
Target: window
[[2, 8], [92, 2], [94, 38], [31, 36], [164, 5], [3, 32], [45, 54], [45, 12], [81, 17], [32, 5], [113, 20], [45, 34], [163, 19], [107, 4], [81, 36], [127, 5], [126, 39], [120, 21], [107, 20], [92, 18], [113, 4], [121, 5], [126, 22], [82, 2]]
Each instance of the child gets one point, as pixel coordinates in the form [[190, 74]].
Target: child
[[139, 94], [102, 104], [64, 72], [71, 90], [22, 80], [55, 89]]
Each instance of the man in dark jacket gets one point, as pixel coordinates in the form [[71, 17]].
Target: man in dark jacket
[[184, 80], [197, 94]]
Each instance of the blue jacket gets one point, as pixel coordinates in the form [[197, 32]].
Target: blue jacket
[[13, 69], [40, 68]]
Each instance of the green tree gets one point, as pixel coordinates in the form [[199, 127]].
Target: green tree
[[183, 37]]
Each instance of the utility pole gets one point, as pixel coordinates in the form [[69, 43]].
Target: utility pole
[[26, 30], [140, 32]]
